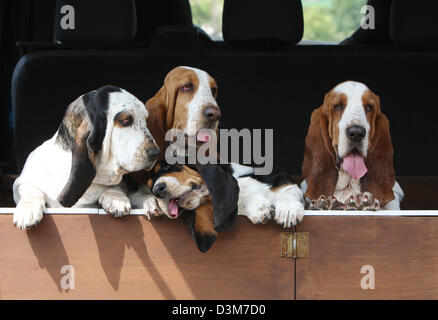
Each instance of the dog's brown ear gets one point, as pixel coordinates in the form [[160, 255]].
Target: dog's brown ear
[[161, 108], [82, 131], [157, 120], [200, 223], [319, 165], [380, 177], [224, 193]]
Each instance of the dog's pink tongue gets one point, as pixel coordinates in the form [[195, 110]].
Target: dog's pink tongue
[[173, 207], [354, 165], [203, 136]]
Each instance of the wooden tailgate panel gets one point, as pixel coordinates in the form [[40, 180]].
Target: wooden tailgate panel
[[133, 258], [403, 252]]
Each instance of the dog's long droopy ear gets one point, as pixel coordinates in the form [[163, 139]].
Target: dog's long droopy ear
[[85, 125], [200, 223], [380, 177], [319, 165], [161, 108], [224, 193], [156, 121]]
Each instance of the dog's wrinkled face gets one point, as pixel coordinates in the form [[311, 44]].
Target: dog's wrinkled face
[[195, 103], [178, 187], [131, 143], [351, 108]]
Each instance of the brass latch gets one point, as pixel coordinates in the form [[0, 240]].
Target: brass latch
[[294, 245]]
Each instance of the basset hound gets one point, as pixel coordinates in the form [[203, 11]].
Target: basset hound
[[205, 196], [103, 136], [213, 198], [186, 102], [348, 160]]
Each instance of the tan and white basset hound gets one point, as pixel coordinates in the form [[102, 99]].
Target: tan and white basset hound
[[103, 136], [348, 160], [186, 102]]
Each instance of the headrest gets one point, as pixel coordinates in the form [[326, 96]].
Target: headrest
[[154, 14], [175, 41], [414, 22], [257, 21], [95, 21]]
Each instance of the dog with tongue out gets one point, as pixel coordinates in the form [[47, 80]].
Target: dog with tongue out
[[348, 159]]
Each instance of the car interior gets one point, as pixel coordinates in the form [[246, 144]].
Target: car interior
[[268, 77]]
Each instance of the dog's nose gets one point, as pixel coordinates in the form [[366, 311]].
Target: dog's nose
[[160, 190], [356, 133], [153, 152], [212, 113]]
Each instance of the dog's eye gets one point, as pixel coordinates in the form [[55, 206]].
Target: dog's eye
[[187, 87], [125, 122], [195, 186], [369, 108], [339, 107], [214, 91]]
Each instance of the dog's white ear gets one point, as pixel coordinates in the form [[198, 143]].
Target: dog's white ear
[[83, 131], [224, 192]]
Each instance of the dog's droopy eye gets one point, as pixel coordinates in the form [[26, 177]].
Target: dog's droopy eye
[[123, 119], [339, 107], [195, 186], [213, 91], [187, 87], [126, 121], [369, 108]]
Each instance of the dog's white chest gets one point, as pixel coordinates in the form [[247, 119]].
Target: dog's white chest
[[346, 186]]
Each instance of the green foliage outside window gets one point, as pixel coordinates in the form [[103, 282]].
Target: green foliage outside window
[[324, 20]]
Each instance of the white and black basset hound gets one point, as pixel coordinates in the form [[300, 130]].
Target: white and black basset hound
[[348, 160], [103, 136]]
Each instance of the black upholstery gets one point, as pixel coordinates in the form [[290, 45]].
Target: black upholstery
[[414, 22], [98, 21], [175, 40], [257, 89], [161, 13], [248, 21]]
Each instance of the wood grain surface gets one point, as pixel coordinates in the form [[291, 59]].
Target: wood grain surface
[[133, 258], [403, 252]]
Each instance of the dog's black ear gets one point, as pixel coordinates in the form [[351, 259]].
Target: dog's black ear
[[83, 131], [224, 192], [200, 223]]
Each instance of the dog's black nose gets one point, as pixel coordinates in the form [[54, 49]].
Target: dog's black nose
[[212, 113], [356, 133], [160, 190], [153, 152]]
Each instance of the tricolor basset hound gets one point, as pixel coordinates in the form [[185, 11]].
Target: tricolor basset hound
[[187, 102], [348, 160], [215, 194], [204, 195], [103, 136]]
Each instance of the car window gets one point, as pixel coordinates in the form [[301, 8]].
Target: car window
[[331, 20], [207, 14]]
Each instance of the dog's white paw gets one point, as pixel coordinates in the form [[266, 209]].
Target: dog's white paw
[[28, 213], [116, 204], [257, 208], [288, 213], [151, 207]]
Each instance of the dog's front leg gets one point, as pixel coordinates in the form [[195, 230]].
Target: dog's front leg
[[30, 206], [115, 201], [144, 199]]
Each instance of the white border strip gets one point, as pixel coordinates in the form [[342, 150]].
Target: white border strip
[[136, 212]]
